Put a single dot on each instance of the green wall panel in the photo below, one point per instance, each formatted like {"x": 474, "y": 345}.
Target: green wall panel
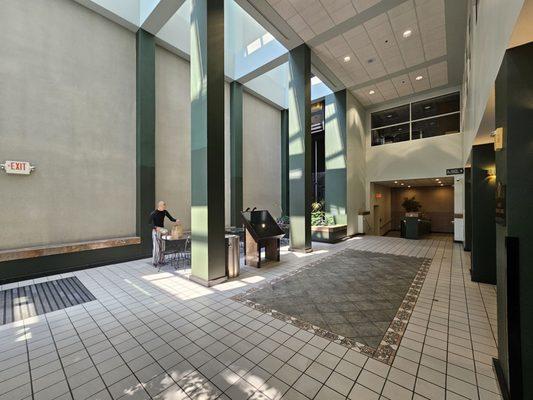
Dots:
{"x": 300, "y": 148}
{"x": 207, "y": 141}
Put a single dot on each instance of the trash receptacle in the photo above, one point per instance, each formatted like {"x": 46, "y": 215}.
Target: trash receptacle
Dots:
{"x": 233, "y": 259}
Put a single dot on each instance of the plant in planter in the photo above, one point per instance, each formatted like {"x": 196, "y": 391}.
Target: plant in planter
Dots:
{"x": 319, "y": 217}
{"x": 411, "y": 206}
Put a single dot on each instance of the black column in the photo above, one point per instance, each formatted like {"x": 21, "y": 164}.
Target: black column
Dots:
{"x": 514, "y": 232}
{"x": 483, "y": 206}
{"x": 468, "y": 210}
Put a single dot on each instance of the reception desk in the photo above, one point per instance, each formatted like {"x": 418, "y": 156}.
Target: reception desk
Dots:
{"x": 414, "y": 227}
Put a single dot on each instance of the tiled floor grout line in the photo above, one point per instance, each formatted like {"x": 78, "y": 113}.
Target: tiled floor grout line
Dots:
{"x": 154, "y": 305}
{"x": 429, "y": 317}
{"x": 471, "y": 339}
{"x": 88, "y": 353}
{"x": 29, "y": 364}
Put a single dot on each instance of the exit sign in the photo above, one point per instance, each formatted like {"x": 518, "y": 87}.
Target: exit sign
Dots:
{"x": 17, "y": 167}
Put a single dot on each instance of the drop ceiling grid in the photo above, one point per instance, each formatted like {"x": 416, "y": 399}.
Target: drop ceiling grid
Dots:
{"x": 379, "y": 39}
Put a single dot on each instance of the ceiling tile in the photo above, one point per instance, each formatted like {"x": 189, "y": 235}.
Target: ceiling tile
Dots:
{"x": 361, "y": 5}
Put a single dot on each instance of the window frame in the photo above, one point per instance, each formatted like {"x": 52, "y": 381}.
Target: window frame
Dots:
{"x": 411, "y": 121}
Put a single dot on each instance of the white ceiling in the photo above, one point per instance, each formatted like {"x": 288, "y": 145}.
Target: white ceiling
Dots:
{"x": 370, "y": 33}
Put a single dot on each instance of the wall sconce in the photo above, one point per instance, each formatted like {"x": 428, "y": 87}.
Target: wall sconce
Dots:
{"x": 491, "y": 173}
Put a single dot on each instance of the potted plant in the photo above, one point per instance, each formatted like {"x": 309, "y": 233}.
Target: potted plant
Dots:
{"x": 411, "y": 206}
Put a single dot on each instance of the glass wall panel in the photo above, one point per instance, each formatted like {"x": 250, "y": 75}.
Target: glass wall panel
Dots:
{"x": 432, "y": 117}
{"x": 391, "y": 134}
{"x": 438, "y": 126}
{"x": 436, "y": 106}
{"x": 391, "y": 116}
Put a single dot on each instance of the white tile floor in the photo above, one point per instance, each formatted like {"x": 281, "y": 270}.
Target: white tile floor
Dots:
{"x": 157, "y": 335}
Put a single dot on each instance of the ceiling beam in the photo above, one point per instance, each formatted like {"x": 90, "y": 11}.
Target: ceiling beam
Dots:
{"x": 263, "y": 69}
{"x": 322, "y": 71}
{"x": 456, "y": 38}
{"x": 405, "y": 71}
{"x": 160, "y": 15}
{"x": 269, "y": 19}
{"x": 354, "y": 21}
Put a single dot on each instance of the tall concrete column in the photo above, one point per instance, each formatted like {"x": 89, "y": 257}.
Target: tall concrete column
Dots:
{"x": 236, "y": 93}
{"x": 300, "y": 148}
{"x": 483, "y": 205}
{"x": 207, "y": 142}
{"x": 285, "y": 162}
{"x": 145, "y": 136}
{"x": 335, "y": 153}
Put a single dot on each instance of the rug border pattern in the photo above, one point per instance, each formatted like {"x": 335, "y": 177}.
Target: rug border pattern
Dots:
{"x": 386, "y": 350}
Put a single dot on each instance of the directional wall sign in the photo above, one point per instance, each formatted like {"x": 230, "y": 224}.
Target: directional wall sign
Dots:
{"x": 17, "y": 167}
{"x": 455, "y": 171}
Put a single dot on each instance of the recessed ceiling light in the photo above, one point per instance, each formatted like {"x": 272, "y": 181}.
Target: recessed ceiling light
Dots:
{"x": 408, "y": 186}
{"x": 419, "y": 78}
{"x": 401, "y": 184}
{"x": 437, "y": 179}
{"x": 371, "y": 92}
{"x": 395, "y": 181}
{"x": 347, "y": 59}
{"x": 427, "y": 107}
{"x": 442, "y": 184}
{"x": 389, "y": 116}
{"x": 407, "y": 33}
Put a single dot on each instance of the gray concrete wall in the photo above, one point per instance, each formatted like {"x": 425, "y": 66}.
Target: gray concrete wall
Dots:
{"x": 356, "y": 193}
{"x": 489, "y": 39}
{"x": 261, "y": 155}
{"x": 173, "y": 135}
{"x": 173, "y": 142}
{"x": 67, "y": 105}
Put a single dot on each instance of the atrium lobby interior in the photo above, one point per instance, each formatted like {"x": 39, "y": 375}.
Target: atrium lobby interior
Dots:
{"x": 266, "y": 199}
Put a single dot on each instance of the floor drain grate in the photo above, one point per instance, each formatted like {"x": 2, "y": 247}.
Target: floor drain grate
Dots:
{"x": 41, "y": 298}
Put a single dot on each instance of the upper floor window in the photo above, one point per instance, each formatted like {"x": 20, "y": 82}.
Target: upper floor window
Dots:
{"x": 422, "y": 119}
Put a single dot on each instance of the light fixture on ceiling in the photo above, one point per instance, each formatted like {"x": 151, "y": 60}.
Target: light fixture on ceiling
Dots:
{"x": 371, "y": 92}
{"x": 442, "y": 184}
{"x": 419, "y": 78}
{"x": 389, "y": 116}
{"x": 347, "y": 59}
{"x": 408, "y": 186}
{"x": 427, "y": 107}
{"x": 407, "y": 33}
{"x": 395, "y": 181}
{"x": 437, "y": 179}
{"x": 401, "y": 184}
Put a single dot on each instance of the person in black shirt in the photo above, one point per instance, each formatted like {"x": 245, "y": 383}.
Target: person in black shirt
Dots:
{"x": 157, "y": 220}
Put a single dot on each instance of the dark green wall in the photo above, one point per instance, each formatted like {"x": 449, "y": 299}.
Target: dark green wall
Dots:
{"x": 34, "y": 267}
{"x": 468, "y": 210}
{"x": 514, "y": 113}
{"x": 483, "y": 204}
{"x": 300, "y": 185}
{"x": 285, "y": 162}
{"x": 236, "y": 126}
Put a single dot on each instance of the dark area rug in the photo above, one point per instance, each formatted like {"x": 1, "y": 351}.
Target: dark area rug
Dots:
{"x": 355, "y": 294}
